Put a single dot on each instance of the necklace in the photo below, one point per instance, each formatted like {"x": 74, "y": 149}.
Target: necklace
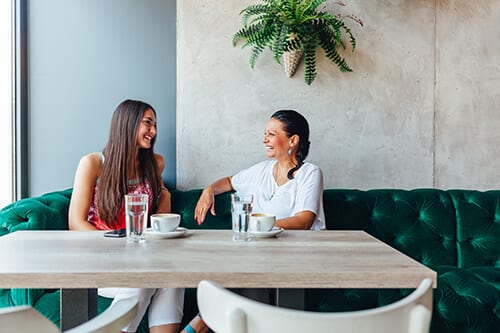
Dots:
{"x": 280, "y": 178}
{"x": 271, "y": 196}
{"x": 280, "y": 175}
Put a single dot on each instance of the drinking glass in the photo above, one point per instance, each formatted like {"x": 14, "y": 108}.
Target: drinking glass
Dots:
{"x": 241, "y": 208}
{"x": 136, "y": 213}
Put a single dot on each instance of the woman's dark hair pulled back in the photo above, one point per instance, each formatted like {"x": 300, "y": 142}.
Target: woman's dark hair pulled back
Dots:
{"x": 295, "y": 124}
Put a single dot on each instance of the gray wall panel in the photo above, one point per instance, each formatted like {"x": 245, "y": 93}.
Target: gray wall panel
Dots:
{"x": 85, "y": 57}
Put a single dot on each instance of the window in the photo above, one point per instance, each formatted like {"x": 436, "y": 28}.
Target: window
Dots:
{"x": 6, "y": 105}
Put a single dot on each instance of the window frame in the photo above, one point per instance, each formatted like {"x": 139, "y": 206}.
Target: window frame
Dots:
{"x": 20, "y": 96}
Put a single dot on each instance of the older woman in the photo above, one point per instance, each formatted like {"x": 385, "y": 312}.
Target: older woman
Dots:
{"x": 284, "y": 185}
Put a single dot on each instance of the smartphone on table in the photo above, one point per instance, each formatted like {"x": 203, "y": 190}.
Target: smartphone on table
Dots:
{"x": 116, "y": 233}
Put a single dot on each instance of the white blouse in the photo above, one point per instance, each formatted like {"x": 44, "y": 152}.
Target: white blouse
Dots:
{"x": 303, "y": 193}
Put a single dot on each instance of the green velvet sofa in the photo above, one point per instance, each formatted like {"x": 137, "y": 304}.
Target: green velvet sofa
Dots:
{"x": 454, "y": 232}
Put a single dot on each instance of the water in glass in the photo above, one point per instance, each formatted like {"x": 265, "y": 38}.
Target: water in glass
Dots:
{"x": 241, "y": 208}
{"x": 136, "y": 212}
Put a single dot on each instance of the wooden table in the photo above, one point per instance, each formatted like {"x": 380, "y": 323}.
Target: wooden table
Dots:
{"x": 295, "y": 259}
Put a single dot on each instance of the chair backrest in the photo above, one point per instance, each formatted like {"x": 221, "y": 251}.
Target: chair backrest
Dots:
{"x": 25, "y": 319}
{"x": 227, "y": 312}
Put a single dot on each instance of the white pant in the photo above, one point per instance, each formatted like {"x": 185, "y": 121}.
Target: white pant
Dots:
{"x": 165, "y": 304}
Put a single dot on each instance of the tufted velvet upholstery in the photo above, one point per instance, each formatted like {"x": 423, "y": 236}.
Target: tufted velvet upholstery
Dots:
{"x": 184, "y": 202}
{"x": 403, "y": 219}
{"x": 454, "y": 232}
{"x": 478, "y": 227}
{"x": 46, "y": 212}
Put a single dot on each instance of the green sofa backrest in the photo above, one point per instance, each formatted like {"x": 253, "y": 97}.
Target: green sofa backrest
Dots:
{"x": 420, "y": 223}
{"x": 435, "y": 227}
{"x": 46, "y": 212}
{"x": 478, "y": 227}
{"x": 184, "y": 202}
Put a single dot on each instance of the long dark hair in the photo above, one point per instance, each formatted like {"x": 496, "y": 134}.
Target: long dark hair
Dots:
{"x": 119, "y": 161}
{"x": 295, "y": 124}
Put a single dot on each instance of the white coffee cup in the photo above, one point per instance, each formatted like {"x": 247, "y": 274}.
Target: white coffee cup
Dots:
{"x": 261, "y": 222}
{"x": 165, "y": 222}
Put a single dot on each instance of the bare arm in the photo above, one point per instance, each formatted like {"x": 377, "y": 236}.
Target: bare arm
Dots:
{"x": 164, "y": 203}
{"x": 83, "y": 188}
{"x": 207, "y": 198}
{"x": 300, "y": 221}
{"x": 310, "y": 190}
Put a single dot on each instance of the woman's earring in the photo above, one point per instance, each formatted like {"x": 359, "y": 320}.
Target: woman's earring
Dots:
{"x": 290, "y": 151}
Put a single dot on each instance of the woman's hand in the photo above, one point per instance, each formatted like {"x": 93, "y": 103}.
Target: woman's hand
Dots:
{"x": 205, "y": 203}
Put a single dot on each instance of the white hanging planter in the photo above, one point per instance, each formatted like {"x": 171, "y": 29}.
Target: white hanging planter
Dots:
{"x": 291, "y": 61}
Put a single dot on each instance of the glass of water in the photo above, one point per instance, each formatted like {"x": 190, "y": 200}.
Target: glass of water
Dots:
{"x": 136, "y": 214}
{"x": 241, "y": 208}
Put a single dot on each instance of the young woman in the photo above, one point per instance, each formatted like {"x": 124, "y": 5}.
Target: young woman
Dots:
{"x": 284, "y": 185}
{"x": 127, "y": 164}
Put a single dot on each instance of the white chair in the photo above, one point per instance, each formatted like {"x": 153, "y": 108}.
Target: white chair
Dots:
{"x": 26, "y": 319}
{"x": 226, "y": 312}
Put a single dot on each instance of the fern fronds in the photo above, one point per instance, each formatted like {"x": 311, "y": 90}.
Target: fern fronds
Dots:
{"x": 339, "y": 26}
{"x": 253, "y": 10}
{"x": 263, "y": 36}
{"x": 256, "y": 51}
{"x": 291, "y": 25}
{"x": 247, "y": 31}
{"x": 315, "y": 4}
{"x": 352, "y": 40}
{"x": 310, "y": 60}
{"x": 355, "y": 19}
{"x": 329, "y": 45}
{"x": 278, "y": 47}
{"x": 259, "y": 19}
{"x": 293, "y": 44}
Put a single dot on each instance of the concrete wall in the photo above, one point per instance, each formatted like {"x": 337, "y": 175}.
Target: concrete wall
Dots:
{"x": 85, "y": 57}
{"x": 467, "y": 105}
{"x": 420, "y": 109}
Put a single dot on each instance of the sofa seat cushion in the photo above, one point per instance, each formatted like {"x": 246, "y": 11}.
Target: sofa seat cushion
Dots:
{"x": 467, "y": 300}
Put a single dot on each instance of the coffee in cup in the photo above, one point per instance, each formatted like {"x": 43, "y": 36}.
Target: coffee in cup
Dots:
{"x": 261, "y": 222}
{"x": 165, "y": 222}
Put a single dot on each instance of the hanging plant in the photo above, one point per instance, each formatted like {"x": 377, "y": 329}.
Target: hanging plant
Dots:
{"x": 293, "y": 29}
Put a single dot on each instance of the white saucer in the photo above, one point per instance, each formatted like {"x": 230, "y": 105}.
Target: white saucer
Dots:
{"x": 179, "y": 232}
{"x": 267, "y": 234}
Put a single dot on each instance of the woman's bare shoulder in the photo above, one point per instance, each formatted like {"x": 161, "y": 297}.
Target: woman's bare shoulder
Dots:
{"x": 92, "y": 159}
{"x": 90, "y": 164}
{"x": 159, "y": 160}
